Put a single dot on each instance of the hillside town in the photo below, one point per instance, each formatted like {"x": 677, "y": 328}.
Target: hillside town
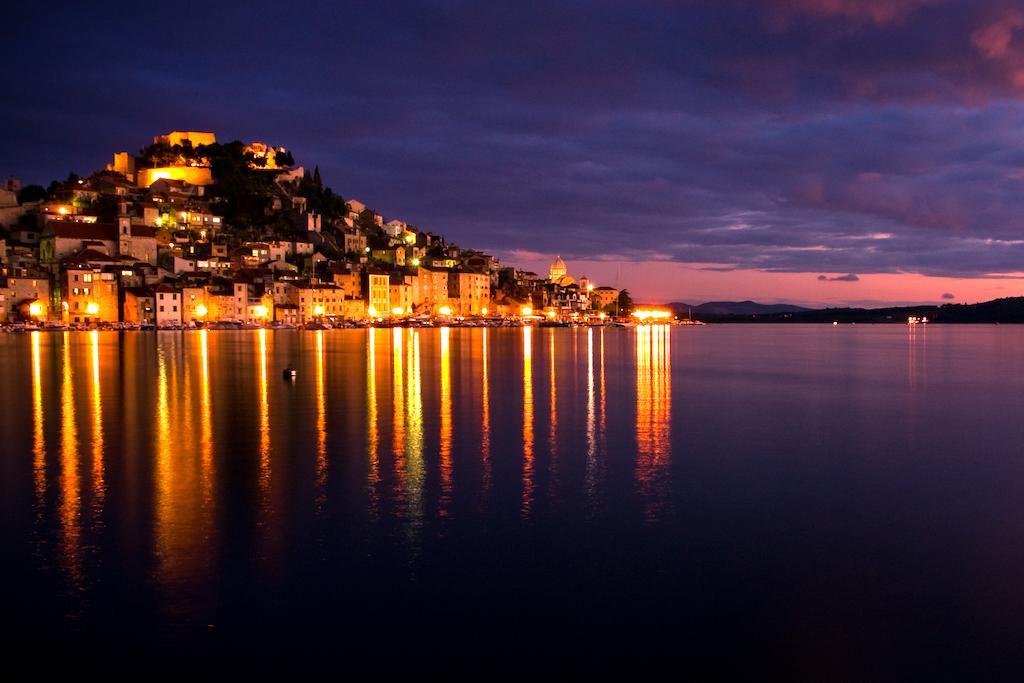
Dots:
{"x": 191, "y": 233}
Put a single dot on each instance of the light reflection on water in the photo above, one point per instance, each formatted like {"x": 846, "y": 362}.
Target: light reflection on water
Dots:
{"x": 182, "y": 471}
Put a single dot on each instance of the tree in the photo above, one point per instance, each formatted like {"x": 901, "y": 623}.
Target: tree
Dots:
{"x": 105, "y": 207}
{"x": 284, "y": 159}
{"x": 625, "y": 303}
{"x": 31, "y": 193}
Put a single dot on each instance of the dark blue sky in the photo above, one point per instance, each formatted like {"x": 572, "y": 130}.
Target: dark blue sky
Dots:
{"x": 804, "y": 136}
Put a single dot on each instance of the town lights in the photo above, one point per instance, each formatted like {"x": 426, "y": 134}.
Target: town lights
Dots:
{"x": 63, "y": 210}
{"x": 416, "y": 262}
{"x": 526, "y": 310}
{"x": 483, "y": 311}
{"x": 200, "y": 311}
{"x": 260, "y": 311}
{"x": 318, "y": 310}
{"x": 397, "y": 310}
{"x": 590, "y": 287}
{"x": 445, "y": 310}
{"x": 92, "y": 308}
{"x": 647, "y": 314}
{"x": 602, "y": 315}
{"x": 551, "y": 314}
{"x": 410, "y": 238}
{"x": 35, "y": 309}
{"x": 371, "y": 311}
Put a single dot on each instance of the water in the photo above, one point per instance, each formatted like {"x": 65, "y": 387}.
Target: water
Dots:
{"x": 825, "y": 498}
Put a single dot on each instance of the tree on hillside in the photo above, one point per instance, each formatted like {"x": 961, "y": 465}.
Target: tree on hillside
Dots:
{"x": 283, "y": 159}
{"x": 31, "y": 193}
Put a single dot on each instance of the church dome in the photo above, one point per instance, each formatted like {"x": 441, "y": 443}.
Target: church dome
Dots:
{"x": 558, "y": 269}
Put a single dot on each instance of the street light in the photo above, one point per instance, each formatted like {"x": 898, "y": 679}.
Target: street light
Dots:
{"x": 35, "y": 309}
{"x": 445, "y": 310}
{"x": 318, "y": 310}
{"x": 92, "y": 308}
{"x": 200, "y": 311}
{"x": 527, "y": 310}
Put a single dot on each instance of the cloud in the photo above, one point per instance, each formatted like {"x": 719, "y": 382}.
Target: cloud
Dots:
{"x": 845, "y": 136}
{"x": 877, "y": 11}
{"x": 947, "y": 295}
{"x": 994, "y": 40}
{"x": 849, "y": 277}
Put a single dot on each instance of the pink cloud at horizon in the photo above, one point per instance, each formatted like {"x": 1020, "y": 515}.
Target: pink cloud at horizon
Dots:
{"x": 665, "y": 281}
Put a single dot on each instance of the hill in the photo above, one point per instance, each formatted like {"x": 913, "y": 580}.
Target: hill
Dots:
{"x": 741, "y": 308}
{"x": 1006, "y": 310}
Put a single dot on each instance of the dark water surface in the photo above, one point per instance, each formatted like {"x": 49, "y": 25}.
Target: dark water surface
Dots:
{"x": 825, "y": 497}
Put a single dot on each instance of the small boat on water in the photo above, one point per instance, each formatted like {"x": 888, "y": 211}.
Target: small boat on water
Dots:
{"x": 289, "y": 373}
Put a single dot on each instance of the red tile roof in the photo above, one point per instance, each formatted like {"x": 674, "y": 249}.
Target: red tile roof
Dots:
{"x": 77, "y": 230}
{"x": 89, "y": 256}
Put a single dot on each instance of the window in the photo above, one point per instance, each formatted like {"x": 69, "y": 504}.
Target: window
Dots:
{"x": 161, "y": 309}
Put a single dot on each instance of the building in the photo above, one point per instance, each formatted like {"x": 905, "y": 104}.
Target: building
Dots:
{"x": 603, "y": 297}
{"x": 25, "y": 296}
{"x": 469, "y": 293}
{"x": 559, "y": 273}
{"x": 168, "y": 306}
{"x": 63, "y": 238}
{"x": 139, "y": 306}
{"x": 88, "y": 295}
{"x": 378, "y": 294}
{"x": 180, "y": 137}
{"x": 399, "y": 296}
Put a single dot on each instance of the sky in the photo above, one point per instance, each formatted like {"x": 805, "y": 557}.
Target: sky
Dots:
{"x": 819, "y": 152}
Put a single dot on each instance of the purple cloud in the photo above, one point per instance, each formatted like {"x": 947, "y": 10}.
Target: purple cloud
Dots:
{"x": 844, "y": 136}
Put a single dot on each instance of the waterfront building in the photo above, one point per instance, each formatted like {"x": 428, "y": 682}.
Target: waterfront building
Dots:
{"x": 88, "y": 294}
{"x": 139, "y": 306}
{"x": 168, "y": 306}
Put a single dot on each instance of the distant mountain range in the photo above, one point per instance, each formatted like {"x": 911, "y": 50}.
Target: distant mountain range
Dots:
{"x": 720, "y": 308}
{"x": 1007, "y": 310}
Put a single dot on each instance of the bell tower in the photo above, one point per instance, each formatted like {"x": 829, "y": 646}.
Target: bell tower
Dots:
{"x": 124, "y": 231}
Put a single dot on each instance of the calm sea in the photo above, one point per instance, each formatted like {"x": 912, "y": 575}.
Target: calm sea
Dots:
{"x": 825, "y": 498}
